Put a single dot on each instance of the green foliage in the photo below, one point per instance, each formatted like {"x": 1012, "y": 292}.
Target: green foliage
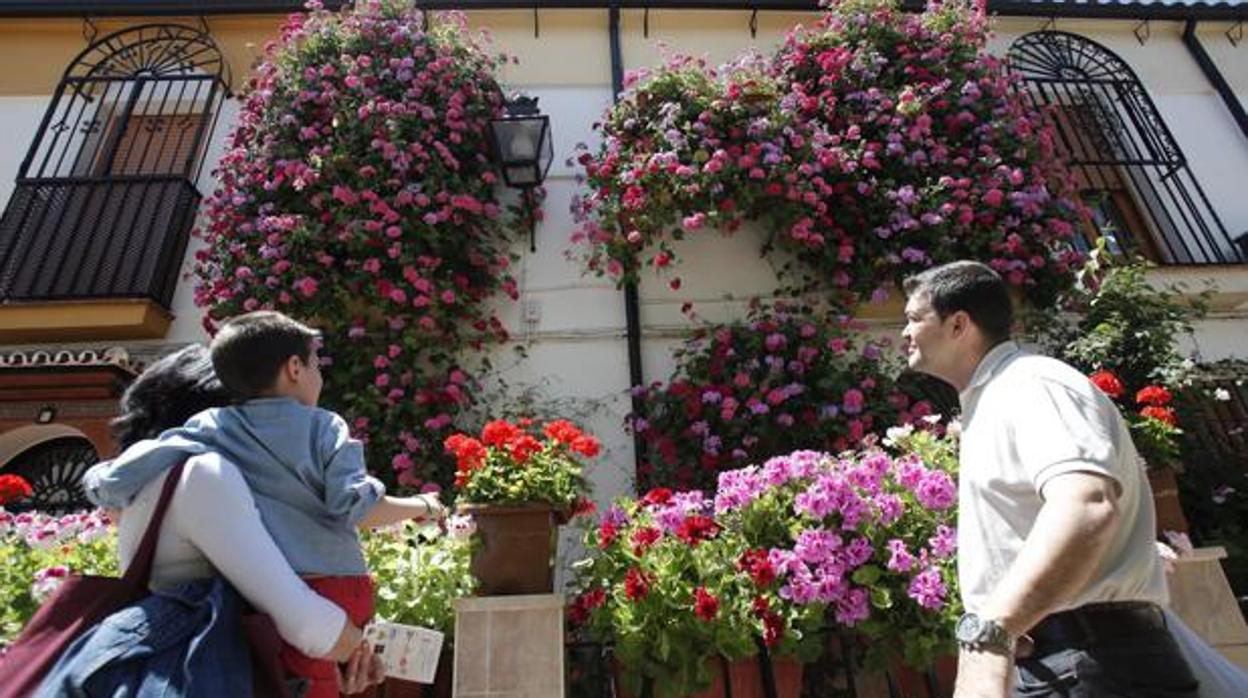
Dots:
{"x": 37, "y": 550}
{"x": 418, "y": 574}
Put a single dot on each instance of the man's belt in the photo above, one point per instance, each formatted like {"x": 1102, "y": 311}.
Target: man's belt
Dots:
{"x": 1087, "y": 625}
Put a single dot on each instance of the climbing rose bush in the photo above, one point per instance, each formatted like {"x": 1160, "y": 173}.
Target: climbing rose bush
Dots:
{"x": 873, "y": 145}
{"x": 357, "y": 194}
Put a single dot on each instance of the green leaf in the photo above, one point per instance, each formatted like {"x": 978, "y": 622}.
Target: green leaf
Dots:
{"x": 866, "y": 575}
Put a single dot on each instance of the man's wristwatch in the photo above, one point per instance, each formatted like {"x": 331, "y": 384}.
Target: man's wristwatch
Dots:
{"x": 983, "y": 635}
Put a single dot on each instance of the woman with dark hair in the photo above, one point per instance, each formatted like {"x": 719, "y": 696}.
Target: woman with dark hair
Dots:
{"x": 212, "y": 526}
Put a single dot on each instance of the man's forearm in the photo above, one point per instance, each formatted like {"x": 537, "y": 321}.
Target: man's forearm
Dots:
{"x": 1060, "y": 556}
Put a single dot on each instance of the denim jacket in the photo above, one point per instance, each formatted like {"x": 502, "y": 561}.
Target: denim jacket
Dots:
{"x": 305, "y": 471}
{"x": 183, "y": 642}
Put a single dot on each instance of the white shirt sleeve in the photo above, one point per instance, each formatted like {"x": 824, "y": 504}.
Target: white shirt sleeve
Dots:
{"x": 213, "y": 509}
{"x": 1063, "y": 429}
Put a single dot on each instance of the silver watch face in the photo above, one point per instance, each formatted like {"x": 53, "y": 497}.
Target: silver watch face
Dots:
{"x": 969, "y": 629}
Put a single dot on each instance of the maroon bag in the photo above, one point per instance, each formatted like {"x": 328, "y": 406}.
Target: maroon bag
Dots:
{"x": 78, "y": 604}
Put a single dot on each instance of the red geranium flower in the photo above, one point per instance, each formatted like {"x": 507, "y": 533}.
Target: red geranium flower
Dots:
{"x": 499, "y": 432}
{"x": 1154, "y": 395}
{"x": 587, "y": 446}
{"x": 773, "y": 624}
{"x": 581, "y": 607}
{"x": 644, "y": 538}
{"x": 773, "y": 629}
{"x": 607, "y": 533}
{"x": 563, "y": 431}
{"x": 636, "y": 584}
{"x": 705, "y": 605}
{"x": 584, "y": 506}
{"x": 523, "y": 448}
{"x": 758, "y": 566}
{"x": 469, "y": 453}
{"x": 657, "y": 497}
{"x": 697, "y": 528}
{"x": 1108, "y": 383}
{"x": 13, "y": 488}
{"x": 1161, "y": 414}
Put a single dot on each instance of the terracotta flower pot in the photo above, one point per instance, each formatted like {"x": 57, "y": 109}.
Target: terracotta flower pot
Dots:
{"x": 516, "y": 551}
{"x": 914, "y": 684}
{"x": 1165, "y": 486}
{"x": 746, "y": 679}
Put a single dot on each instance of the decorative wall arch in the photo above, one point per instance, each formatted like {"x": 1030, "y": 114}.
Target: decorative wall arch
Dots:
{"x": 53, "y": 459}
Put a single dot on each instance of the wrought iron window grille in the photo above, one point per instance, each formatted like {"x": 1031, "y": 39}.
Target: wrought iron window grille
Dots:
{"x": 1119, "y": 147}
{"x": 106, "y": 197}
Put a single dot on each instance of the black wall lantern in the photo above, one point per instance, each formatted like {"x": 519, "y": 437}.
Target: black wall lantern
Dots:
{"x": 523, "y": 150}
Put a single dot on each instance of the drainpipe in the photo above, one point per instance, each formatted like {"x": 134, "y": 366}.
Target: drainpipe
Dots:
{"x": 632, "y": 303}
{"x": 1214, "y": 76}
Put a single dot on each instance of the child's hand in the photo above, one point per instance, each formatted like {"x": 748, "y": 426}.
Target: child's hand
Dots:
{"x": 435, "y": 509}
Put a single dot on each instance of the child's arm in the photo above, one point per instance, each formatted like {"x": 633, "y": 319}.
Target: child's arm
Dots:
{"x": 392, "y": 510}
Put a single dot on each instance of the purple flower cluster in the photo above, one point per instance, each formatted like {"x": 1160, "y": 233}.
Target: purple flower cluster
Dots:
{"x": 856, "y": 522}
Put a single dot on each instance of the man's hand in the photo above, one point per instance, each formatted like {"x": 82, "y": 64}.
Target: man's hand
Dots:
{"x": 983, "y": 675}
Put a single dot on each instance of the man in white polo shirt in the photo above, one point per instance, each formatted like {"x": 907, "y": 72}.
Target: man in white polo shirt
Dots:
{"x": 1056, "y": 560}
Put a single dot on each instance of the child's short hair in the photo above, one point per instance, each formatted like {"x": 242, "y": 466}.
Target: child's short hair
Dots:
{"x": 250, "y": 350}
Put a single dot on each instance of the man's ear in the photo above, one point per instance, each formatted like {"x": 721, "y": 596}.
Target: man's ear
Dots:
{"x": 961, "y": 323}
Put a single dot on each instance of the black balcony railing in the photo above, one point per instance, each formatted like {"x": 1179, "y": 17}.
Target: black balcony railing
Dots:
{"x": 96, "y": 238}
{"x": 105, "y": 197}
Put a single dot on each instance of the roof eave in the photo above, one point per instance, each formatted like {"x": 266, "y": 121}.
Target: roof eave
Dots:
{"x": 1015, "y": 8}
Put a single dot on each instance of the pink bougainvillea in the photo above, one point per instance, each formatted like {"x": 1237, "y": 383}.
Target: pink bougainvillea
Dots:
{"x": 357, "y": 194}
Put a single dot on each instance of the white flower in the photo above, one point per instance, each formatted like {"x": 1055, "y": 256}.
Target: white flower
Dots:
{"x": 92, "y": 532}
{"x": 1222, "y": 395}
{"x": 43, "y": 537}
{"x": 896, "y": 434}
{"x": 46, "y": 582}
{"x": 954, "y": 428}
{"x": 460, "y": 527}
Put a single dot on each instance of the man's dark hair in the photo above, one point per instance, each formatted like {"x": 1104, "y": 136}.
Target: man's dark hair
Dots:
{"x": 167, "y": 394}
{"x": 971, "y": 287}
{"x": 250, "y": 350}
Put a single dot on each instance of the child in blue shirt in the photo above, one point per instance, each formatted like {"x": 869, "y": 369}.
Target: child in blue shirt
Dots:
{"x": 305, "y": 471}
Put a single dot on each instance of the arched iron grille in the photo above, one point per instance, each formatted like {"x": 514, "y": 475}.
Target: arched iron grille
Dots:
{"x": 105, "y": 197}
{"x": 1122, "y": 153}
{"x": 54, "y": 470}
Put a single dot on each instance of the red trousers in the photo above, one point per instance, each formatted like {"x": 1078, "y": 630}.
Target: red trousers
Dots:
{"x": 355, "y": 596}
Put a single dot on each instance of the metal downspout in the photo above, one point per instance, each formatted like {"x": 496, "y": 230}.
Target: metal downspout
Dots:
{"x": 1214, "y": 76}
{"x": 632, "y": 302}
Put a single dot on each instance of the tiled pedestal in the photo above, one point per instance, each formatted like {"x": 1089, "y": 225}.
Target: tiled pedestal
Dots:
{"x": 509, "y": 647}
